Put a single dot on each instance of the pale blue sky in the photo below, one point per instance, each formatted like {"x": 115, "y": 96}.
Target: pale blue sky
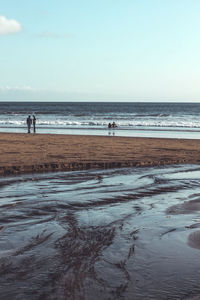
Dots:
{"x": 122, "y": 50}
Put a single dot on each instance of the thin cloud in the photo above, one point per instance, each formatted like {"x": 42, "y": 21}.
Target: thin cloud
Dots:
{"x": 50, "y": 35}
{"x": 54, "y": 35}
{"x": 9, "y": 26}
{"x": 16, "y": 88}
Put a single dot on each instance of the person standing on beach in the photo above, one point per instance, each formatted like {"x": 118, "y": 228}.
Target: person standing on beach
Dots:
{"x": 34, "y": 123}
{"x": 29, "y": 122}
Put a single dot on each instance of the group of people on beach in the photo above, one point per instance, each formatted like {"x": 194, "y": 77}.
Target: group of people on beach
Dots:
{"x": 29, "y": 122}
{"x": 113, "y": 125}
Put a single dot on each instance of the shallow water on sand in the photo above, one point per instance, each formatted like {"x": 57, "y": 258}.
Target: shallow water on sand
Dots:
{"x": 110, "y": 234}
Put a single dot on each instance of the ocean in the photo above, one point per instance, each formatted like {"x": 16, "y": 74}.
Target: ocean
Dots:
{"x": 178, "y": 120}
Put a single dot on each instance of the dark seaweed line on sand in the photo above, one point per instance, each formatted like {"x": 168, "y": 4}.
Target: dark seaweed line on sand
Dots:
{"x": 78, "y": 166}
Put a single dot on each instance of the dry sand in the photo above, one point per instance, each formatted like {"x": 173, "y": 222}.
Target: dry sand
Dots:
{"x": 26, "y": 153}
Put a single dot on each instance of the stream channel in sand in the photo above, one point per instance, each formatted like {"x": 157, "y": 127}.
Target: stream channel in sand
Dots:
{"x": 107, "y": 234}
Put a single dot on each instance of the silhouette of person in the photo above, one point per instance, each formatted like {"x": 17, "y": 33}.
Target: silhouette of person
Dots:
{"x": 34, "y": 123}
{"x": 114, "y": 125}
{"x": 29, "y": 122}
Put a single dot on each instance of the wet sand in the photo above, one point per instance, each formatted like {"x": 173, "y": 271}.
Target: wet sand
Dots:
{"x": 130, "y": 233}
{"x": 29, "y": 153}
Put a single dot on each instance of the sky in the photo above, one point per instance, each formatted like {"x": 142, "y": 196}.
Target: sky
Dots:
{"x": 108, "y": 50}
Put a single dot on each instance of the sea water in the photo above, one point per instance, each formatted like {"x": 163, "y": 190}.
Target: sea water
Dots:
{"x": 178, "y": 120}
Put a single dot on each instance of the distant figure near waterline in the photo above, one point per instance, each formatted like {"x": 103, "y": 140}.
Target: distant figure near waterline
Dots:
{"x": 100, "y": 178}
{"x": 113, "y": 125}
{"x": 34, "y": 123}
{"x": 29, "y": 122}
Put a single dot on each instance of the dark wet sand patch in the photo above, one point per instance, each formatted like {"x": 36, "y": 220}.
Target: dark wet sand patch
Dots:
{"x": 187, "y": 207}
{"x": 196, "y": 225}
{"x": 194, "y": 239}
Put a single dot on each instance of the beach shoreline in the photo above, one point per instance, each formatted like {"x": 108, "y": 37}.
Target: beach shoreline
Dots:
{"x": 38, "y": 153}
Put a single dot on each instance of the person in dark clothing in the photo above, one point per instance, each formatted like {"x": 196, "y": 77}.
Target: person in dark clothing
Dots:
{"x": 34, "y": 123}
{"x": 29, "y": 122}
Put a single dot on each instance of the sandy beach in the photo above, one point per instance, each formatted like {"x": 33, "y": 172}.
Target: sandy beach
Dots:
{"x": 29, "y": 153}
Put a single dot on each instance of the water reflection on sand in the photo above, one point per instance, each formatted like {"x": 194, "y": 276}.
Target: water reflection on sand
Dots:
{"x": 111, "y": 234}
